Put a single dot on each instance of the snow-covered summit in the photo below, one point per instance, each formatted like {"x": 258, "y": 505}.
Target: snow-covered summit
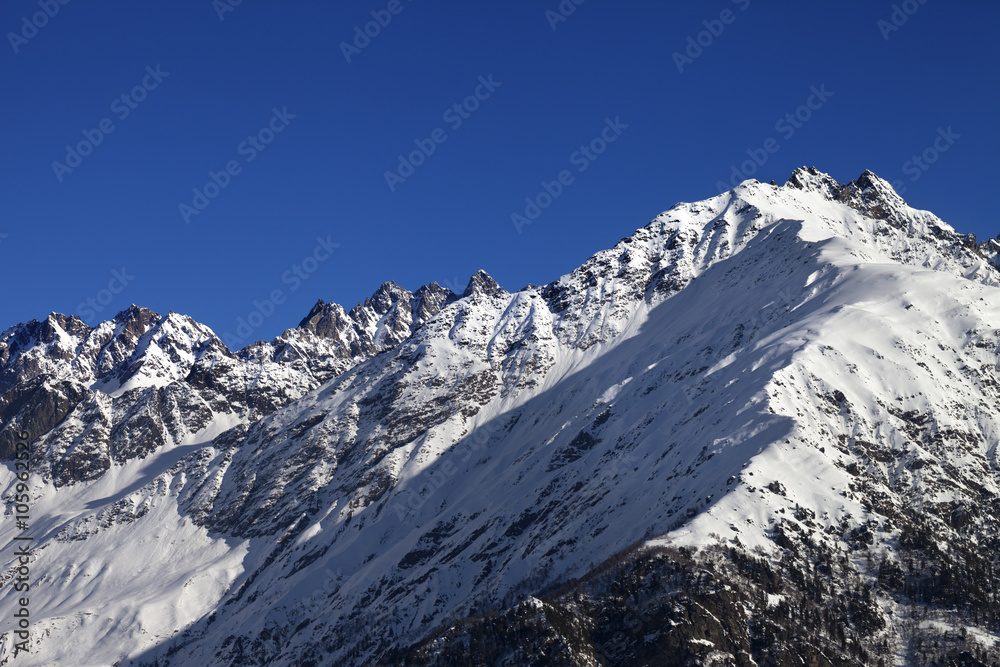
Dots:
{"x": 136, "y": 348}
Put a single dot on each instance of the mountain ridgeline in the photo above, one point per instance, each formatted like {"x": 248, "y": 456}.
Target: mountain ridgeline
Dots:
{"x": 761, "y": 430}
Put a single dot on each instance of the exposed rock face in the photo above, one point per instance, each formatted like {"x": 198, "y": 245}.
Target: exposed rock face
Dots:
{"x": 381, "y": 322}
{"x": 482, "y": 283}
{"x": 35, "y": 407}
{"x": 761, "y": 429}
{"x": 53, "y": 373}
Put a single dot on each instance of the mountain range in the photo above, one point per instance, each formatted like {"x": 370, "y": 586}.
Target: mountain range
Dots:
{"x": 761, "y": 430}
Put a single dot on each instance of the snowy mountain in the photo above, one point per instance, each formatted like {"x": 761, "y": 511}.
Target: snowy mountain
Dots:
{"x": 764, "y": 426}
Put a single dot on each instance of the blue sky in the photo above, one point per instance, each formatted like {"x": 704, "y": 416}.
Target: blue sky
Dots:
{"x": 292, "y": 133}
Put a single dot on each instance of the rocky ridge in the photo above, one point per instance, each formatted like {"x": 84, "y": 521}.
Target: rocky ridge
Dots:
{"x": 779, "y": 384}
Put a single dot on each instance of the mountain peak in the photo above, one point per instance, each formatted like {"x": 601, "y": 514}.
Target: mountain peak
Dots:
{"x": 381, "y": 321}
{"x": 869, "y": 180}
{"x": 309, "y": 320}
{"x": 386, "y": 296}
{"x": 71, "y": 324}
{"x": 134, "y": 311}
{"x": 428, "y": 300}
{"x": 877, "y": 195}
{"x": 811, "y": 179}
{"x": 135, "y": 321}
{"x": 482, "y": 283}
{"x": 868, "y": 194}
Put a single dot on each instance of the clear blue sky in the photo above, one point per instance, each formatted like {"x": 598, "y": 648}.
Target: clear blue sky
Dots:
{"x": 218, "y": 82}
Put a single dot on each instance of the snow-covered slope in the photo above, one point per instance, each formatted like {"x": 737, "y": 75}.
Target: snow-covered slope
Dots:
{"x": 782, "y": 371}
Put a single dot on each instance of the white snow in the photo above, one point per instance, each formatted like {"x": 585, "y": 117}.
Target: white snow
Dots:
{"x": 661, "y": 419}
